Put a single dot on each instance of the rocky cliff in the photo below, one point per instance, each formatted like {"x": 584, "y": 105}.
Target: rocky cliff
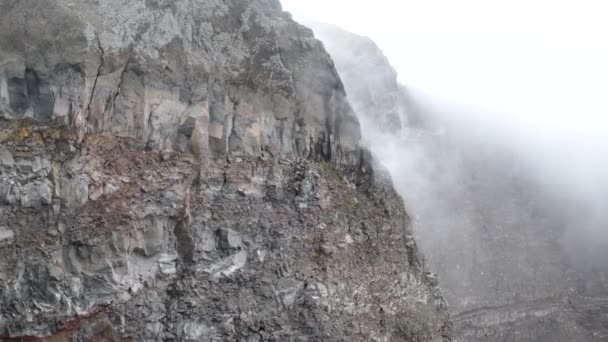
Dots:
{"x": 508, "y": 250}
{"x": 190, "y": 171}
{"x": 369, "y": 79}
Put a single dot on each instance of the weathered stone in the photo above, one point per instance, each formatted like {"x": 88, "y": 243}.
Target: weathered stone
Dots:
{"x": 167, "y": 264}
{"x": 432, "y": 278}
{"x": 155, "y": 238}
{"x": 207, "y": 240}
{"x": 228, "y": 239}
{"x": 110, "y": 188}
{"x": 175, "y": 195}
{"x": 75, "y": 191}
{"x": 6, "y": 158}
{"x": 37, "y": 193}
{"x": 288, "y": 290}
{"x": 36, "y": 165}
{"x": 6, "y": 236}
{"x": 10, "y": 190}
{"x": 96, "y": 193}
{"x": 194, "y": 331}
{"x": 229, "y": 265}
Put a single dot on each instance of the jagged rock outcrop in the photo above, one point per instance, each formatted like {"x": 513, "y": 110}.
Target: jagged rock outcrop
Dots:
{"x": 509, "y": 252}
{"x": 190, "y": 171}
{"x": 208, "y": 77}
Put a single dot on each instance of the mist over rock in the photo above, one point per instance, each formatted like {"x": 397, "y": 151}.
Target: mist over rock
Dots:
{"x": 191, "y": 171}
{"x": 513, "y": 255}
{"x": 358, "y": 58}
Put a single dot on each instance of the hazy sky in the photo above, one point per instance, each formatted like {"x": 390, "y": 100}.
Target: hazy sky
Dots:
{"x": 542, "y": 65}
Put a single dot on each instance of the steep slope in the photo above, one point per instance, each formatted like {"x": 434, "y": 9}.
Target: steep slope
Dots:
{"x": 503, "y": 244}
{"x": 190, "y": 171}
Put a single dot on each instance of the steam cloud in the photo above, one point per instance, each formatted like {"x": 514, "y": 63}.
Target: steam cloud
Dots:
{"x": 507, "y": 179}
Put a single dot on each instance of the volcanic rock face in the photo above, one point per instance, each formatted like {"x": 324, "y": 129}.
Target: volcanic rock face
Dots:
{"x": 498, "y": 238}
{"x": 190, "y": 171}
{"x": 208, "y": 77}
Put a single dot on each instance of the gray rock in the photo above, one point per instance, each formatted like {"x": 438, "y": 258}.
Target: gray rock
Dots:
{"x": 175, "y": 195}
{"x": 288, "y": 290}
{"x": 36, "y": 193}
{"x": 194, "y": 331}
{"x": 75, "y": 191}
{"x": 228, "y": 266}
{"x": 96, "y": 193}
{"x": 10, "y": 190}
{"x": 6, "y": 158}
{"x": 207, "y": 240}
{"x": 155, "y": 238}
{"x": 228, "y": 239}
{"x": 168, "y": 264}
{"x": 110, "y": 188}
{"x": 432, "y": 278}
{"x": 39, "y": 166}
{"x": 6, "y": 236}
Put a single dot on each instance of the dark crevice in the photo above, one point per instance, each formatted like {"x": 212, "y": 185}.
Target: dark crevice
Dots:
{"x": 101, "y": 62}
{"x": 119, "y": 86}
{"x": 185, "y": 243}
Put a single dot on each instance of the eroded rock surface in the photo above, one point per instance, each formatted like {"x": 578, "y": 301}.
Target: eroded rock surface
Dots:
{"x": 190, "y": 171}
{"x": 218, "y": 78}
